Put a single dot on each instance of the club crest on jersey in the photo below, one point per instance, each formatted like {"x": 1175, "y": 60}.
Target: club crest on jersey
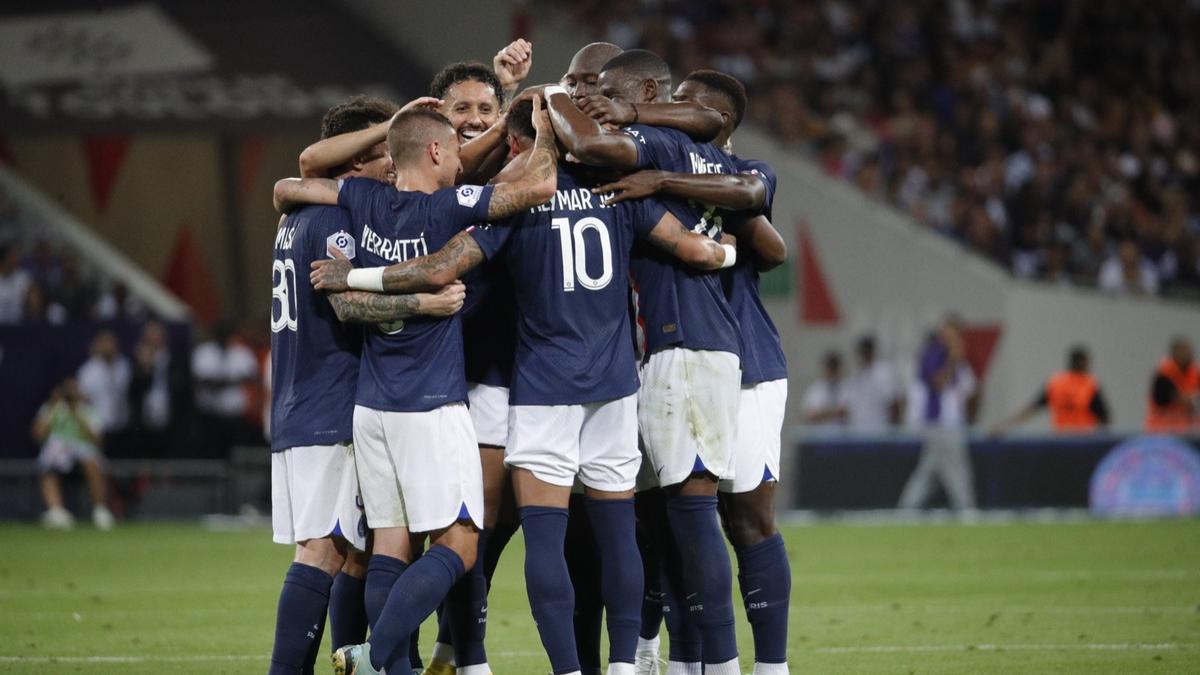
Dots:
{"x": 341, "y": 241}
{"x": 468, "y": 195}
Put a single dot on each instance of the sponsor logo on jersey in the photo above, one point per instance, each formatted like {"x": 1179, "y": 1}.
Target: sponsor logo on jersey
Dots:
{"x": 340, "y": 241}
{"x": 468, "y": 195}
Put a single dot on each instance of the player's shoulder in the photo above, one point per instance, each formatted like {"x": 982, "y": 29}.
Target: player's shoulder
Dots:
{"x": 749, "y": 165}
{"x": 645, "y": 133}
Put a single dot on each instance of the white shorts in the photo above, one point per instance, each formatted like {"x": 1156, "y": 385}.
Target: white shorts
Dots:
{"x": 489, "y": 413}
{"x": 314, "y": 494}
{"x": 597, "y": 441}
{"x": 759, "y": 427}
{"x": 418, "y": 470}
{"x": 61, "y": 455}
{"x": 687, "y": 412}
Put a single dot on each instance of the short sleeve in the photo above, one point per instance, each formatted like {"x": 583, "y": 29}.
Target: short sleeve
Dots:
{"x": 491, "y": 238}
{"x": 767, "y": 175}
{"x": 646, "y": 214}
{"x": 651, "y": 147}
{"x": 453, "y": 209}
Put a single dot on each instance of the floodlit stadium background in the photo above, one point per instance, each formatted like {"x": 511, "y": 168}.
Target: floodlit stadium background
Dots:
{"x": 988, "y": 159}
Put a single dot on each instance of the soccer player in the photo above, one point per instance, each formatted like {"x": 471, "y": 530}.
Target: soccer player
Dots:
{"x": 692, "y": 341}
{"x": 748, "y": 500}
{"x": 416, "y": 452}
{"x": 575, "y": 380}
{"x": 314, "y": 365}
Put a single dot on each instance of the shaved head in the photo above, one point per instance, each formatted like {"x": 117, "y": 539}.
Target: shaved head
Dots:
{"x": 411, "y": 135}
{"x": 584, "y": 71}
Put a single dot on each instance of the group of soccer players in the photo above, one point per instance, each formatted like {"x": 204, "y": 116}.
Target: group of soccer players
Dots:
{"x": 505, "y": 294}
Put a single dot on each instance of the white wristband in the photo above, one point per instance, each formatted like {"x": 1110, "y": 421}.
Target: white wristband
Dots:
{"x": 730, "y": 256}
{"x": 554, "y": 89}
{"x": 367, "y": 279}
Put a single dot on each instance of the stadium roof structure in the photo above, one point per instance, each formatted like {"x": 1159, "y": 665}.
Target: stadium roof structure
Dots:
{"x": 189, "y": 66}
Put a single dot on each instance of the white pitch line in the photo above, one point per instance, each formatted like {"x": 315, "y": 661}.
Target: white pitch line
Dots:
{"x": 1102, "y": 647}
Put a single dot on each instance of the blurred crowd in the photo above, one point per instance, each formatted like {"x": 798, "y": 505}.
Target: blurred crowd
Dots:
{"x": 1058, "y": 139}
{"x": 45, "y": 283}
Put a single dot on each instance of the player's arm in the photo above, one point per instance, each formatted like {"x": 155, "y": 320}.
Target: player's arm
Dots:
{"x": 512, "y": 64}
{"x": 367, "y": 307}
{"x": 291, "y": 193}
{"x": 584, "y": 138}
{"x": 735, "y": 192}
{"x": 700, "y": 122}
{"x": 317, "y": 159}
{"x": 537, "y": 183}
{"x": 694, "y": 249}
{"x": 430, "y": 272}
{"x": 483, "y": 156}
{"x": 761, "y": 238}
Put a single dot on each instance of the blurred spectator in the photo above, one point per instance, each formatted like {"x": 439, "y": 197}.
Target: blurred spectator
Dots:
{"x": 1127, "y": 271}
{"x": 1073, "y": 397}
{"x": 990, "y": 122}
{"x": 70, "y": 432}
{"x": 824, "y": 403}
{"x": 1175, "y": 392}
{"x": 154, "y": 391}
{"x": 15, "y": 284}
{"x": 222, "y": 368}
{"x": 874, "y": 398}
{"x": 937, "y": 407}
{"x": 104, "y": 382}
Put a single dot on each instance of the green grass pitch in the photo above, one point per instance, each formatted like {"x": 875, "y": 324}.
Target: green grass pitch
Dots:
{"x": 1086, "y": 597}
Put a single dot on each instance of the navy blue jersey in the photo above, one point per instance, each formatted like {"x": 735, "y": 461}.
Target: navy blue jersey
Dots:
{"x": 314, "y": 357}
{"x": 489, "y": 325}
{"x": 762, "y": 351}
{"x": 416, "y": 364}
{"x": 569, "y": 262}
{"x": 679, "y": 306}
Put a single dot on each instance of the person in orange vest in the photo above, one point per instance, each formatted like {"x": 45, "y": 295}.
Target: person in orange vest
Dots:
{"x": 1174, "y": 405}
{"x": 1073, "y": 397}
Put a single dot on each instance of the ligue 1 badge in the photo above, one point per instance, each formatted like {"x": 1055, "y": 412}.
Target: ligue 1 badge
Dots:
{"x": 340, "y": 241}
{"x": 468, "y": 195}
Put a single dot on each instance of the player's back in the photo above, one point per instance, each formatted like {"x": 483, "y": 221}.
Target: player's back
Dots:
{"x": 680, "y": 305}
{"x": 762, "y": 351}
{"x": 569, "y": 261}
{"x": 416, "y": 364}
{"x": 314, "y": 356}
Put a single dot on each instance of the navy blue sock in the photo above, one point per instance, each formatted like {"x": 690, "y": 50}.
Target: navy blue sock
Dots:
{"x": 683, "y": 634}
{"x": 414, "y": 650}
{"x": 548, "y": 584}
{"x": 707, "y": 574}
{"x": 621, "y": 581}
{"x": 652, "y": 534}
{"x": 583, "y": 563}
{"x": 466, "y": 612}
{"x": 299, "y": 619}
{"x": 765, "y": 578}
{"x": 382, "y": 573}
{"x": 413, "y": 598}
{"x": 347, "y": 611}
{"x": 500, "y": 535}
{"x": 314, "y": 651}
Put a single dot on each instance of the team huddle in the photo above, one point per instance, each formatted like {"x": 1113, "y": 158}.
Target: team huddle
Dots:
{"x": 533, "y": 311}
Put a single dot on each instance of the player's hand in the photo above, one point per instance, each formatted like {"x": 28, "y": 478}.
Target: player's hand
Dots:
{"x": 424, "y": 103}
{"x": 607, "y": 111}
{"x": 330, "y": 275}
{"x": 634, "y": 186}
{"x": 512, "y": 63}
{"x": 445, "y": 302}
{"x": 727, "y": 239}
{"x": 541, "y": 118}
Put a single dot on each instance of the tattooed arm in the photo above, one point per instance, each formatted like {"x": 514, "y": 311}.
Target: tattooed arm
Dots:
{"x": 536, "y": 185}
{"x": 694, "y": 249}
{"x": 366, "y": 307}
{"x": 291, "y": 193}
{"x": 460, "y": 255}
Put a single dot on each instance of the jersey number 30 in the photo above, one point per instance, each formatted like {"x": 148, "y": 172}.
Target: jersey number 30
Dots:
{"x": 283, "y": 295}
{"x": 574, "y": 253}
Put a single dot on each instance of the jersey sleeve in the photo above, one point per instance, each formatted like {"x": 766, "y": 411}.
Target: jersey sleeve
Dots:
{"x": 360, "y": 197}
{"x": 646, "y": 214}
{"x": 491, "y": 238}
{"x": 767, "y": 174}
{"x": 453, "y": 209}
{"x": 653, "y": 147}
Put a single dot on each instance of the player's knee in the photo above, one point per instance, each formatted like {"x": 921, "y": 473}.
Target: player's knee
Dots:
{"x": 356, "y": 563}
{"x": 748, "y": 519}
{"x": 327, "y": 554}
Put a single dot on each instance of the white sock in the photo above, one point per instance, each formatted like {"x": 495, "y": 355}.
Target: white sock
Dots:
{"x": 685, "y": 668}
{"x": 650, "y": 646}
{"x": 730, "y": 667}
{"x": 770, "y": 668}
{"x": 479, "y": 669}
{"x": 443, "y": 652}
{"x": 620, "y": 668}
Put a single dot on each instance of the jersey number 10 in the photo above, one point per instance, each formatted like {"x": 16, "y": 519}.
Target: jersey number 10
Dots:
{"x": 574, "y": 253}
